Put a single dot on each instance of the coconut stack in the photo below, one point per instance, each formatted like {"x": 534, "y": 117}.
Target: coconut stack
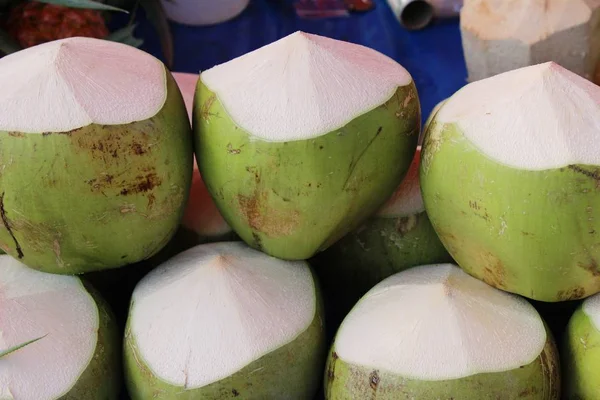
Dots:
{"x": 293, "y": 241}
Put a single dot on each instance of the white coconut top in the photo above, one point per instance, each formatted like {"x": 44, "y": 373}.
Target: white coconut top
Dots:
{"x": 591, "y": 307}
{"x": 407, "y": 199}
{"x": 303, "y": 86}
{"x": 436, "y": 322}
{"x": 535, "y": 118}
{"x": 201, "y": 213}
{"x": 67, "y": 84}
{"x": 36, "y": 304}
{"x": 187, "y": 85}
{"x": 526, "y": 20}
{"x": 212, "y": 310}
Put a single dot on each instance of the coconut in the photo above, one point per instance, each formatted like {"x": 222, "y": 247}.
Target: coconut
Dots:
{"x": 58, "y": 339}
{"x": 97, "y": 155}
{"x": 581, "y": 352}
{"x": 303, "y": 139}
{"x": 509, "y": 176}
{"x": 397, "y": 237}
{"x": 434, "y": 332}
{"x": 224, "y": 320}
{"x": 499, "y": 36}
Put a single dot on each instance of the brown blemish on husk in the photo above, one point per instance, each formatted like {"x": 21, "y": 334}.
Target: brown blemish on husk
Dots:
{"x": 374, "y": 380}
{"x": 142, "y": 184}
{"x": 548, "y": 360}
{"x": 592, "y": 174}
{"x": 262, "y": 218}
{"x": 494, "y": 273}
{"x": 16, "y": 134}
{"x": 331, "y": 367}
{"x": 8, "y": 226}
{"x": 109, "y": 144}
{"x": 591, "y": 267}
{"x": 574, "y": 293}
{"x": 206, "y": 106}
{"x": 231, "y": 150}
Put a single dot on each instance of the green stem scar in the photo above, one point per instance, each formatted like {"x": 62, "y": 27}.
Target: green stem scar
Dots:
{"x": 19, "y": 347}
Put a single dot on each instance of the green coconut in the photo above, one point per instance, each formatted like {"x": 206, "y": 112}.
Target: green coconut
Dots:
{"x": 429, "y": 119}
{"x": 581, "y": 352}
{"x": 509, "y": 175}
{"x": 397, "y": 237}
{"x": 434, "y": 332}
{"x": 300, "y": 141}
{"x": 221, "y": 321}
{"x": 96, "y": 151}
{"x": 58, "y": 338}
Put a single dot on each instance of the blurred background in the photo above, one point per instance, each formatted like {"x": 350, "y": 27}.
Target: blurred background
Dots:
{"x": 193, "y": 35}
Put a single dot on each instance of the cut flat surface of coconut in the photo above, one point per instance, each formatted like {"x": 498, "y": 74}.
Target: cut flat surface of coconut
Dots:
{"x": 407, "y": 199}
{"x": 591, "y": 308}
{"x": 57, "y": 309}
{"x": 303, "y": 86}
{"x": 435, "y": 322}
{"x": 71, "y": 83}
{"x": 538, "y": 117}
{"x": 527, "y": 20}
{"x": 221, "y": 306}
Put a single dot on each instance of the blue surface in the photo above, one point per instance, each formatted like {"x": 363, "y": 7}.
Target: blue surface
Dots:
{"x": 433, "y": 55}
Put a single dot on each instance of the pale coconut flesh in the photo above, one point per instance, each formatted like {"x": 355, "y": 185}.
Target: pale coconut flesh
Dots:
{"x": 75, "y": 354}
{"x": 581, "y": 351}
{"x": 398, "y": 236}
{"x": 305, "y": 125}
{"x": 433, "y": 332}
{"x": 223, "y": 318}
{"x": 509, "y": 177}
{"x": 97, "y": 155}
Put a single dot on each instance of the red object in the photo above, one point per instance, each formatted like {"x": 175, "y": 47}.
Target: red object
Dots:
{"x": 360, "y": 5}
{"x": 321, "y": 8}
{"x": 33, "y": 23}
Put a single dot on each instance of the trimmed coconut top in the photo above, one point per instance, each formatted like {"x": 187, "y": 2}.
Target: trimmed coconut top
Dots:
{"x": 201, "y": 213}
{"x": 67, "y": 84}
{"x": 591, "y": 307}
{"x": 304, "y": 86}
{"x": 536, "y": 118}
{"x": 407, "y": 199}
{"x": 59, "y": 309}
{"x": 212, "y": 310}
{"x": 187, "y": 85}
{"x": 435, "y": 322}
{"x": 528, "y": 21}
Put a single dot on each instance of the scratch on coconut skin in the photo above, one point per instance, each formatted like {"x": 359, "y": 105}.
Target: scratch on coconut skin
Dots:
{"x": 56, "y": 248}
{"x": 7, "y": 226}
{"x": 256, "y": 370}
{"x": 206, "y": 106}
{"x": 354, "y": 162}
